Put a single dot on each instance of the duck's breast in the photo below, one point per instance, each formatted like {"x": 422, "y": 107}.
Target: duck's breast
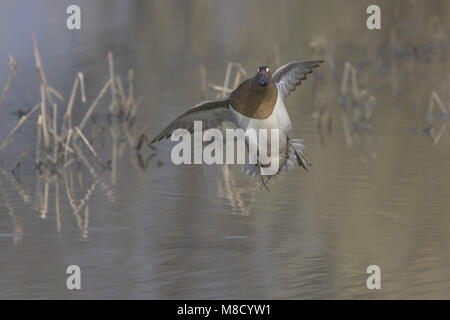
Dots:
{"x": 282, "y": 117}
{"x": 279, "y": 119}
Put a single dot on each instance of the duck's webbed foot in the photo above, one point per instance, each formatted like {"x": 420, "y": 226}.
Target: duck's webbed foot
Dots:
{"x": 301, "y": 159}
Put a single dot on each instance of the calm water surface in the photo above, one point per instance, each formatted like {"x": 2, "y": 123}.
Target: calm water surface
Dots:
{"x": 379, "y": 196}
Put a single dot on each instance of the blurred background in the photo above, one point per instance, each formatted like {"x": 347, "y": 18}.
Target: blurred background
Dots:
{"x": 374, "y": 119}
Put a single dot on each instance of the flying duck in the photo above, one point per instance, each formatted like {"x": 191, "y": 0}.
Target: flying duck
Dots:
{"x": 257, "y": 103}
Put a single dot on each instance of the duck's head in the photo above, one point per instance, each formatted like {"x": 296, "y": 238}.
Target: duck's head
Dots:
{"x": 263, "y": 77}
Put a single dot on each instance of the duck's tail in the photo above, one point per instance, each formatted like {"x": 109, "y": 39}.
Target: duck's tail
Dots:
{"x": 292, "y": 156}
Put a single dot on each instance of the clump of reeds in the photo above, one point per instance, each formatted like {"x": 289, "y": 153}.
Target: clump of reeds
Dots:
{"x": 60, "y": 141}
{"x": 228, "y": 85}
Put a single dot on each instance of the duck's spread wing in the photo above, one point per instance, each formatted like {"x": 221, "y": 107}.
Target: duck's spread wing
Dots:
{"x": 289, "y": 76}
{"x": 212, "y": 113}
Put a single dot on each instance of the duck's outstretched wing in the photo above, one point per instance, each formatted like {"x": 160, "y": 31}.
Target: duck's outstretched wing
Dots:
{"x": 289, "y": 76}
{"x": 212, "y": 113}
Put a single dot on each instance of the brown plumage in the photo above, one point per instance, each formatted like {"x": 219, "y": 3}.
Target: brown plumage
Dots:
{"x": 254, "y": 101}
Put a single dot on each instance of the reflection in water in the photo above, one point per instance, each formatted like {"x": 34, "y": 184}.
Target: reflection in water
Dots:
{"x": 327, "y": 78}
{"x": 102, "y": 198}
{"x": 359, "y": 107}
{"x": 436, "y": 121}
{"x": 226, "y": 185}
{"x": 17, "y": 221}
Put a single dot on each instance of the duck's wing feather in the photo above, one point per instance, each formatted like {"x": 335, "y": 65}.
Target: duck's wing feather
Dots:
{"x": 289, "y": 76}
{"x": 212, "y": 113}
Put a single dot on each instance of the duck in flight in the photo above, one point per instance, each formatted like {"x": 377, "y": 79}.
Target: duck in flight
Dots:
{"x": 257, "y": 103}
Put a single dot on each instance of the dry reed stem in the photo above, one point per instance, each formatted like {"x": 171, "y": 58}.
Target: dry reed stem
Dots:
{"x": 67, "y": 120}
{"x": 93, "y": 105}
{"x": 237, "y": 79}
{"x": 121, "y": 91}
{"x": 18, "y": 126}
{"x": 12, "y": 71}
{"x": 113, "y": 106}
{"x": 82, "y": 86}
{"x": 130, "y": 86}
{"x": 69, "y": 136}
{"x": 441, "y": 131}
{"x": 44, "y": 119}
{"x": 435, "y": 97}
{"x": 44, "y": 208}
{"x": 61, "y": 141}
{"x": 220, "y": 89}
{"x": 19, "y": 160}
{"x": 38, "y": 139}
{"x": 85, "y": 140}
{"x": 55, "y": 93}
{"x": 55, "y": 134}
{"x": 39, "y": 67}
{"x": 134, "y": 108}
{"x": 227, "y": 76}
